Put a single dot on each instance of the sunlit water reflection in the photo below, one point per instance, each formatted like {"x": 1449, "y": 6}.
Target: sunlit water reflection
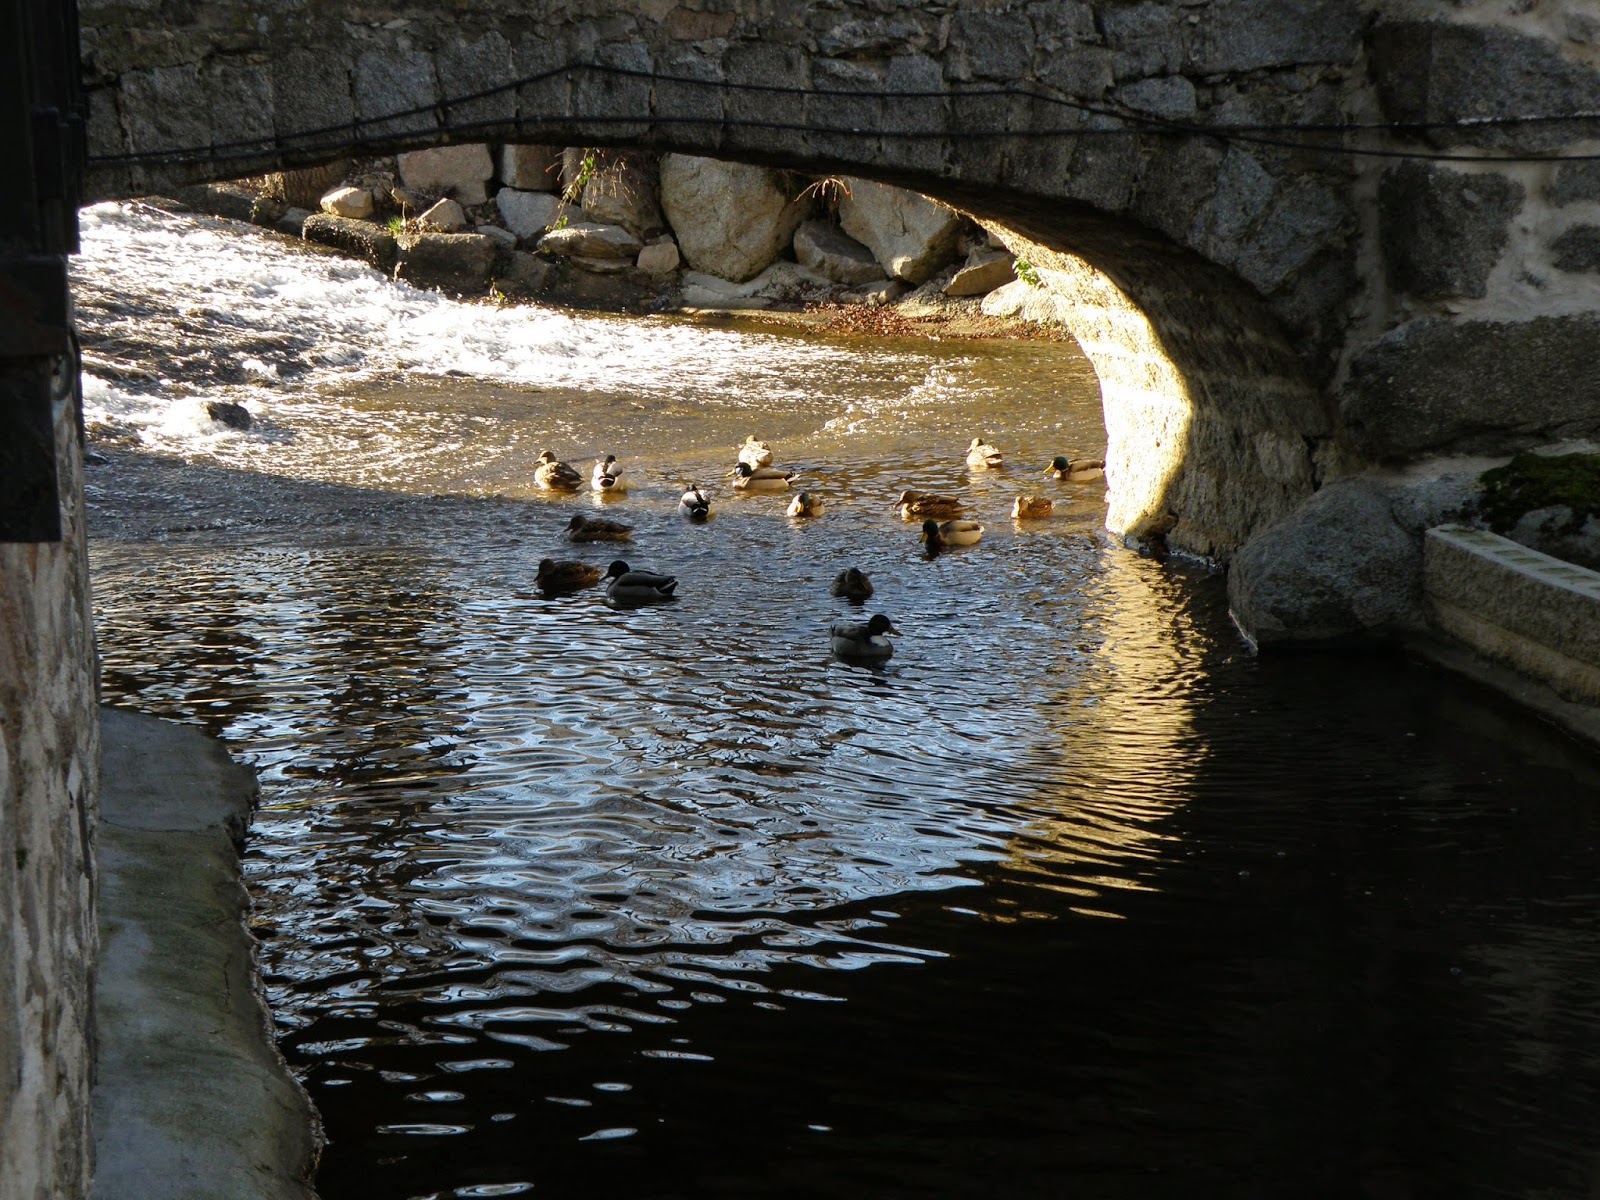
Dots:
{"x": 1071, "y": 898}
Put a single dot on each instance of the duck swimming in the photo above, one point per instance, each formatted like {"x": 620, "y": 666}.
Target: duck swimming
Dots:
{"x": 950, "y": 533}
{"x": 556, "y": 577}
{"x": 591, "y": 529}
{"x": 1032, "y": 506}
{"x": 556, "y": 476}
{"x": 1062, "y": 467}
{"x": 806, "y": 504}
{"x": 755, "y": 452}
{"x": 760, "y": 479}
{"x": 914, "y": 505}
{"x": 863, "y": 639}
{"x": 607, "y": 476}
{"x": 851, "y": 583}
{"x": 981, "y": 456}
{"x": 628, "y": 586}
{"x": 694, "y": 504}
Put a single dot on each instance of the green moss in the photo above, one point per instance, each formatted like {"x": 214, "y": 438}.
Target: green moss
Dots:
{"x": 1534, "y": 481}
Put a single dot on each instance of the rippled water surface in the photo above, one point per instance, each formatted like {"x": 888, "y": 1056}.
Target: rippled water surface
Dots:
{"x": 1072, "y": 898}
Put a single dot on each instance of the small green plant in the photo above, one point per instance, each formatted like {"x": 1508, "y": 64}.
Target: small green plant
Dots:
{"x": 572, "y": 193}
{"x": 396, "y": 224}
{"x": 1530, "y": 482}
{"x": 1027, "y": 272}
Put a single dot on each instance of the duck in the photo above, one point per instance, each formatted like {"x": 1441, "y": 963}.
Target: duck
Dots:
{"x": 760, "y": 479}
{"x": 592, "y": 529}
{"x": 628, "y": 586}
{"x": 806, "y": 504}
{"x": 755, "y": 452}
{"x": 565, "y": 575}
{"x": 914, "y": 505}
{"x": 554, "y": 475}
{"x": 694, "y": 503}
{"x": 607, "y": 476}
{"x": 851, "y": 583}
{"x": 950, "y": 533}
{"x": 981, "y": 456}
{"x": 1032, "y": 506}
{"x": 1062, "y": 467}
{"x": 863, "y": 639}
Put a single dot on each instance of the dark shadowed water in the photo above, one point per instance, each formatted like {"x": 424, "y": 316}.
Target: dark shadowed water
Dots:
{"x": 1072, "y": 898}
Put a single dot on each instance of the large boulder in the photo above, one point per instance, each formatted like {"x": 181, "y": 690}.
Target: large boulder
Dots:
{"x": 359, "y": 239}
{"x": 731, "y": 220}
{"x": 1348, "y": 562}
{"x": 910, "y": 235}
{"x": 587, "y": 239}
{"x": 1338, "y": 567}
{"x": 527, "y": 214}
{"x": 452, "y": 262}
{"x": 821, "y": 246}
{"x": 461, "y": 172}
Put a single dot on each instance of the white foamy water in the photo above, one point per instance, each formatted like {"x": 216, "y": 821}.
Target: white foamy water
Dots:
{"x": 361, "y": 324}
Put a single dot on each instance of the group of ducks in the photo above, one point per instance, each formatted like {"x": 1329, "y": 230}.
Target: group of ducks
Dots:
{"x": 942, "y": 526}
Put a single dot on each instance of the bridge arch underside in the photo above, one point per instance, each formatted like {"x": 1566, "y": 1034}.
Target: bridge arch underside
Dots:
{"x": 1212, "y": 412}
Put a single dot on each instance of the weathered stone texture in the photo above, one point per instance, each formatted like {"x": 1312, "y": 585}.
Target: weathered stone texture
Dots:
{"x": 1578, "y": 249}
{"x": 1444, "y": 230}
{"x": 1341, "y": 566}
{"x": 1575, "y": 183}
{"x": 361, "y": 239}
{"x": 732, "y": 220}
{"x": 910, "y": 235}
{"x": 459, "y": 171}
{"x": 527, "y": 214}
{"x": 49, "y": 777}
{"x": 455, "y": 262}
{"x": 1248, "y": 35}
{"x": 1434, "y": 386}
{"x": 1436, "y": 72}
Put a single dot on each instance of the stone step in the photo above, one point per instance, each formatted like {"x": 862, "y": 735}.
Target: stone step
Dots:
{"x": 1535, "y": 613}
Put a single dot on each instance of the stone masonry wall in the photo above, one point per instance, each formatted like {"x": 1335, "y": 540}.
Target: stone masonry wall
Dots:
{"x": 49, "y": 777}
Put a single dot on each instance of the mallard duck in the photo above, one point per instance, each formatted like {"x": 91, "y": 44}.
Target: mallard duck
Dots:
{"x": 554, "y": 475}
{"x": 695, "y": 504}
{"x": 806, "y": 504}
{"x": 760, "y": 479}
{"x": 1062, "y": 467}
{"x": 851, "y": 583}
{"x": 755, "y": 452}
{"x": 592, "y": 529}
{"x": 1032, "y": 506}
{"x": 981, "y": 456}
{"x": 863, "y": 639}
{"x": 628, "y": 586}
{"x": 565, "y": 575}
{"x": 913, "y": 506}
{"x": 950, "y": 533}
{"x": 607, "y": 476}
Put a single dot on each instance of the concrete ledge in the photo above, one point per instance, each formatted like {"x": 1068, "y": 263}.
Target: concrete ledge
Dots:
{"x": 1535, "y": 613}
{"x": 191, "y": 1100}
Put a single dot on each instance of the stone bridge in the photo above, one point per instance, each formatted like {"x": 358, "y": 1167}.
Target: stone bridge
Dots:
{"x": 1298, "y": 239}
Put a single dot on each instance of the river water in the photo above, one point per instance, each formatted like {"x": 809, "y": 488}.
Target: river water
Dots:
{"x": 1072, "y": 898}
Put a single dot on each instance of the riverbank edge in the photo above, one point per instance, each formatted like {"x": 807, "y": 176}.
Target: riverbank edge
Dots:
{"x": 191, "y": 1097}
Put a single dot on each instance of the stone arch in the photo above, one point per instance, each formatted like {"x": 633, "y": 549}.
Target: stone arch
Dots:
{"x": 1207, "y": 281}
